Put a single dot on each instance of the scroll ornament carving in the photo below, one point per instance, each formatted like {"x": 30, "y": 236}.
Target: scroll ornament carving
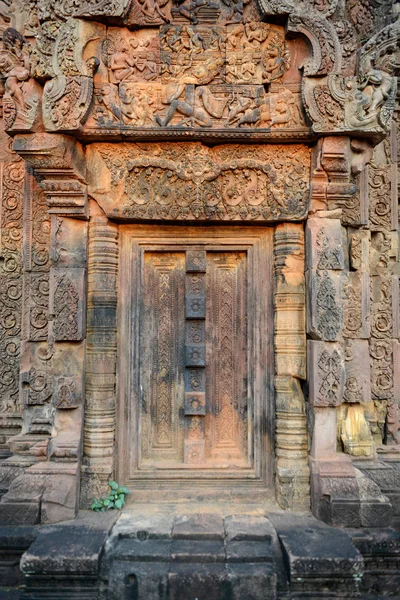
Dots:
{"x": 381, "y": 317}
{"x": 190, "y": 181}
{"x": 353, "y": 314}
{"x": 10, "y": 328}
{"x": 380, "y": 197}
{"x": 11, "y": 282}
{"x": 37, "y": 263}
{"x": 37, "y": 386}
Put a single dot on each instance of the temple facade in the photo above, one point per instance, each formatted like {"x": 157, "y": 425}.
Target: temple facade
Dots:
{"x": 199, "y": 272}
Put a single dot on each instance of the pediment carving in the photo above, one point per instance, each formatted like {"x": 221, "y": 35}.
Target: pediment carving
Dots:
{"x": 197, "y": 69}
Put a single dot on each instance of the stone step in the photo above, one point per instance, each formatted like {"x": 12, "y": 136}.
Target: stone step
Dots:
{"x": 170, "y": 555}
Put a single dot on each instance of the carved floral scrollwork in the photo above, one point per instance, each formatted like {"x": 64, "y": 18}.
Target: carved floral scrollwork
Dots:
{"x": 12, "y": 186}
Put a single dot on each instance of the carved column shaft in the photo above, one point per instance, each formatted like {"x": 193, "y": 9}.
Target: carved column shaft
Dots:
{"x": 99, "y": 430}
{"x": 292, "y": 474}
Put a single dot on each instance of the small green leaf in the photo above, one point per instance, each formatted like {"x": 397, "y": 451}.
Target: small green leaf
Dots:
{"x": 106, "y": 502}
{"x": 113, "y": 485}
{"x": 118, "y": 504}
{"x": 124, "y": 490}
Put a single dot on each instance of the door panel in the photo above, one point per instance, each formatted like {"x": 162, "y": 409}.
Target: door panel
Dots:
{"x": 226, "y": 371}
{"x": 193, "y": 360}
{"x": 196, "y": 355}
{"x": 161, "y": 358}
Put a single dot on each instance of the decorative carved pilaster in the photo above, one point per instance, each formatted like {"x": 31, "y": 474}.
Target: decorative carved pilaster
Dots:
{"x": 99, "y": 429}
{"x": 12, "y": 171}
{"x": 292, "y": 474}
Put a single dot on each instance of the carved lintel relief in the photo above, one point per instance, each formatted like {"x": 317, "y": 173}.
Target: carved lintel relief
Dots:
{"x": 192, "y": 182}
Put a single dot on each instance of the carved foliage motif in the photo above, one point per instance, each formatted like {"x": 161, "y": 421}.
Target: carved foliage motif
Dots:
{"x": 66, "y": 306}
{"x": 329, "y": 312}
{"x": 329, "y": 379}
{"x": 12, "y": 180}
{"x": 176, "y": 181}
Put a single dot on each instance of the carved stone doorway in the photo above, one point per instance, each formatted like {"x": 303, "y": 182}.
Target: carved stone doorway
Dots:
{"x": 196, "y": 356}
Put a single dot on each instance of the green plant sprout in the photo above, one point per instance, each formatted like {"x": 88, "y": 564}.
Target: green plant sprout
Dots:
{"x": 115, "y": 499}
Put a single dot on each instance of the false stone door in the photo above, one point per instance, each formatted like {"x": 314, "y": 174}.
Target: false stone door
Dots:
{"x": 197, "y": 367}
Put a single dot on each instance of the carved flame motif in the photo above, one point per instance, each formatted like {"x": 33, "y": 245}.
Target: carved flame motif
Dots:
{"x": 66, "y": 302}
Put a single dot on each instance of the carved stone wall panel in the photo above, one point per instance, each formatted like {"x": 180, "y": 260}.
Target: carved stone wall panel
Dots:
{"x": 360, "y": 250}
{"x": 358, "y": 379}
{"x": 326, "y": 373}
{"x": 324, "y": 305}
{"x": 191, "y": 182}
{"x": 324, "y": 243}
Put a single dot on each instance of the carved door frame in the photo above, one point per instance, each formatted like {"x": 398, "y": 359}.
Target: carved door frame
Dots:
{"x": 289, "y": 442}
{"x": 49, "y": 152}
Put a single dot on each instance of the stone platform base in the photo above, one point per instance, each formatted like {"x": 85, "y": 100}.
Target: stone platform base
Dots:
{"x": 167, "y": 555}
